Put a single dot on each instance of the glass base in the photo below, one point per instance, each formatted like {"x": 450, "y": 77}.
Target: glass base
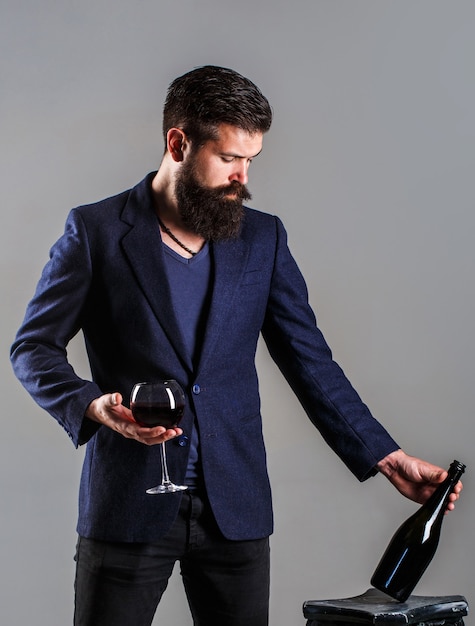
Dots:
{"x": 166, "y": 488}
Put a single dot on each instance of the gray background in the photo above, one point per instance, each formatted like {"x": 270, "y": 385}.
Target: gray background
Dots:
{"x": 370, "y": 163}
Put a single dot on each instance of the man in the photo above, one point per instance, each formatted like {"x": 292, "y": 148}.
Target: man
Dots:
{"x": 175, "y": 279}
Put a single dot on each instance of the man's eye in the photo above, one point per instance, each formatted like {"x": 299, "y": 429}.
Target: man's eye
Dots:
{"x": 227, "y": 159}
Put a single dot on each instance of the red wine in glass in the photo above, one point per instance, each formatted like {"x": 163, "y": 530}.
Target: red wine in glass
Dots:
{"x": 159, "y": 404}
{"x": 154, "y": 414}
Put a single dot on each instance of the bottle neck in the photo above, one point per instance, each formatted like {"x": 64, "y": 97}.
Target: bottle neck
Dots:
{"x": 439, "y": 499}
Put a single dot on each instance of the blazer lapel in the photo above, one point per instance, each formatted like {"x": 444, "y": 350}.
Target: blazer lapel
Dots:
{"x": 142, "y": 245}
{"x": 229, "y": 258}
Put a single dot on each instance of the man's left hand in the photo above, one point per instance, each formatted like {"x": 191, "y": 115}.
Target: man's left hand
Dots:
{"x": 414, "y": 478}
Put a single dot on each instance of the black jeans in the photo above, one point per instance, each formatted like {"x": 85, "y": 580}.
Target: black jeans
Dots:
{"x": 226, "y": 582}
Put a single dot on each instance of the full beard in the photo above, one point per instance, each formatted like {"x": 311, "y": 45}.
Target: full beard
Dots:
{"x": 213, "y": 213}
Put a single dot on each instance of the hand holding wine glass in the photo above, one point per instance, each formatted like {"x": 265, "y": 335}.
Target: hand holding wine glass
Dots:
{"x": 159, "y": 404}
{"x": 109, "y": 411}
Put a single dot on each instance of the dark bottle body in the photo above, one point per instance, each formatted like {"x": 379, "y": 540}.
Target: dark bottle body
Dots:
{"x": 414, "y": 543}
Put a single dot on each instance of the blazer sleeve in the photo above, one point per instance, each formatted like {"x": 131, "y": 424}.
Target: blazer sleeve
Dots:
{"x": 53, "y": 317}
{"x": 299, "y": 349}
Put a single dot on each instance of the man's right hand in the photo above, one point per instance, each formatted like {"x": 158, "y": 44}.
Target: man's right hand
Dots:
{"x": 109, "y": 411}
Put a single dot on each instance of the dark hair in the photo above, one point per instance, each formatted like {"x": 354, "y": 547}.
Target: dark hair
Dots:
{"x": 207, "y": 96}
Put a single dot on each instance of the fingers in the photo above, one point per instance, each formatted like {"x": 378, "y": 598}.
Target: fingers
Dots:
{"x": 431, "y": 473}
{"x": 457, "y": 490}
{"x": 150, "y": 437}
{"x": 109, "y": 411}
{"x": 454, "y": 496}
{"x": 420, "y": 471}
{"x": 125, "y": 424}
{"x": 416, "y": 479}
{"x": 115, "y": 398}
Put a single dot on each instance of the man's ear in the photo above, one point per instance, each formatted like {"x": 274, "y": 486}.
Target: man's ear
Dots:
{"x": 176, "y": 140}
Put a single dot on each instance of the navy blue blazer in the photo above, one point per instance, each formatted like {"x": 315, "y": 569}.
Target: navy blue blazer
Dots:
{"x": 106, "y": 276}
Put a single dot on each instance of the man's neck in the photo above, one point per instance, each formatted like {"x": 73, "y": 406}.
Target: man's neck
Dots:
{"x": 174, "y": 233}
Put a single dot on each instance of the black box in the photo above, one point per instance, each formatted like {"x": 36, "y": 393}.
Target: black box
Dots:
{"x": 374, "y": 607}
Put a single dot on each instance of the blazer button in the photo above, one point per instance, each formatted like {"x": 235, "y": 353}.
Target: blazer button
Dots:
{"x": 182, "y": 441}
{"x": 196, "y": 389}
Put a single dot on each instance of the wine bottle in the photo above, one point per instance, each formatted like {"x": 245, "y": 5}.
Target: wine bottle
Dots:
{"x": 414, "y": 543}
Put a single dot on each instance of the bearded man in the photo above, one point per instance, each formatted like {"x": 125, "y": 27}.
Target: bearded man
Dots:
{"x": 175, "y": 279}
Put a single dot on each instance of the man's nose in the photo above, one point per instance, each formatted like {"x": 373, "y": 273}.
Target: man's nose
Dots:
{"x": 240, "y": 173}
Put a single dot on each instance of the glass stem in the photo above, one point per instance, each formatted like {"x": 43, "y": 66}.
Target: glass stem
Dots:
{"x": 163, "y": 458}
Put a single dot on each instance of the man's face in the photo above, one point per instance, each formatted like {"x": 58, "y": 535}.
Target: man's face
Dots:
{"x": 210, "y": 186}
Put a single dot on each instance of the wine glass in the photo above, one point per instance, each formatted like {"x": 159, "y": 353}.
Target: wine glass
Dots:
{"x": 159, "y": 404}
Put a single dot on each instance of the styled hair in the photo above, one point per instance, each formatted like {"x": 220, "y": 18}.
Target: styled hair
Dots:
{"x": 200, "y": 100}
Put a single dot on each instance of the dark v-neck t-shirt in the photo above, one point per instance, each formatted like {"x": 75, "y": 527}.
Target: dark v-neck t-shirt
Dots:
{"x": 190, "y": 286}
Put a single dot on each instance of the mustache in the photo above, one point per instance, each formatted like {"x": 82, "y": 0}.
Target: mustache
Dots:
{"x": 241, "y": 192}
